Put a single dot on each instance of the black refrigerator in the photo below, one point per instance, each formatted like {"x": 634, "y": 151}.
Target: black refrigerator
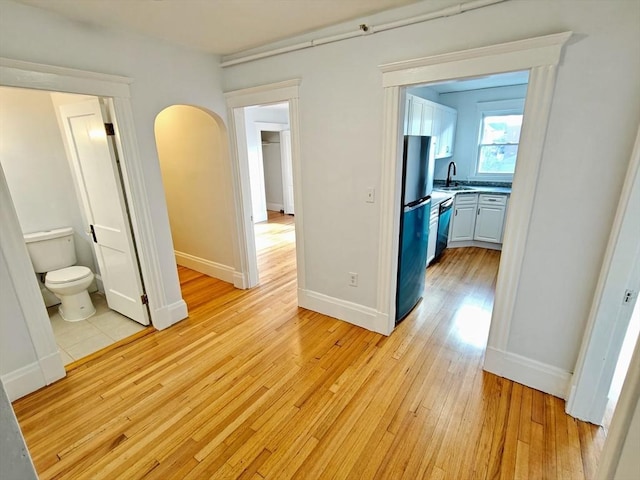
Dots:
{"x": 417, "y": 183}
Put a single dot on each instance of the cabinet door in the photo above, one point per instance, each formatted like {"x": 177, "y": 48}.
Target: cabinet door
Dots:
{"x": 489, "y": 223}
{"x": 464, "y": 220}
{"x": 447, "y": 125}
{"x": 428, "y": 113}
{"x": 415, "y": 117}
{"x": 433, "y": 238}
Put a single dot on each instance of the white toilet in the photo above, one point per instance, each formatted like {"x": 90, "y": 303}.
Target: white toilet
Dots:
{"x": 53, "y": 252}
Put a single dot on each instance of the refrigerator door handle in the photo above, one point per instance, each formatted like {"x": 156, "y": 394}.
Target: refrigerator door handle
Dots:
{"x": 419, "y": 201}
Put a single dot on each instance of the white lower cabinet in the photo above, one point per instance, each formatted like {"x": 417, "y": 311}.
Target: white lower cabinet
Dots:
{"x": 433, "y": 233}
{"x": 478, "y": 218}
{"x": 464, "y": 217}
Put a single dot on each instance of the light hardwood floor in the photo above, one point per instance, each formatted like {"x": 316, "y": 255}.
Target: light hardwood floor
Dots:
{"x": 252, "y": 387}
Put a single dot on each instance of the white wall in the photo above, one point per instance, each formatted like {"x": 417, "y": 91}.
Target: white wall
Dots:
{"x": 465, "y": 148}
{"x": 162, "y": 75}
{"x": 36, "y": 167}
{"x": 194, "y": 159}
{"x": 591, "y": 132}
{"x": 252, "y": 115}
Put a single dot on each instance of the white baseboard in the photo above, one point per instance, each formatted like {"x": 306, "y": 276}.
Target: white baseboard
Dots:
{"x": 350, "y": 312}
{"x": 529, "y": 372}
{"x": 275, "y": 207}
{"x": 475, "y": 243}
{"x": 169, "y": 315}
{"x": 23, "y": 381}
{"x": 33, "y": 376}
{"x": 202, "y": 265}
{"x": 52, "y": 367}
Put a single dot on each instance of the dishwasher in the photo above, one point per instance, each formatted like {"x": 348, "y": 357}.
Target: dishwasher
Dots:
{"x": 444, "y": 219}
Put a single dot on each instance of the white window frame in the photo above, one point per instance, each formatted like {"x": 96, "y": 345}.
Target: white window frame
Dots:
{"x": 502, "y": 107}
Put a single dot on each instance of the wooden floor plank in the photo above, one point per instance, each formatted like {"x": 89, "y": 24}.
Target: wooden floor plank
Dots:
{"x": 251, "y": 386}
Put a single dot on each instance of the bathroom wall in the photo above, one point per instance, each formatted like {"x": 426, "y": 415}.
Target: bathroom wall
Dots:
{"x": 36, "y": 167}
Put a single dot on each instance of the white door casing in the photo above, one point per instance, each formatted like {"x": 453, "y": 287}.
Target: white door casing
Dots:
{"x": 540, "y": 56}
{"x": 287, "y": 171}
{"x": 610, "y": 314}
{"x": 97, "y": 173}
{"x": 244, "y": 241}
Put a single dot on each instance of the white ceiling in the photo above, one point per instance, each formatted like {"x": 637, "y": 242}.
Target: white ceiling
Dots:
{"x": 217, "y": 26}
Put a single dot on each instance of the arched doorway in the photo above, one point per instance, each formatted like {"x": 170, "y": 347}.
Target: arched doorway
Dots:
{"x": 194, "y": 162}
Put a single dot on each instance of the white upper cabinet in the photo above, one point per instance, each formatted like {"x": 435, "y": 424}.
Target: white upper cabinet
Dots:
{"x": 447, "y": 118}
{"x": 424, "y": 117}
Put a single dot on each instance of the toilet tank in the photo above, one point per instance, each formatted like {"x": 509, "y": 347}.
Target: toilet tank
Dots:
{"x": 51, "y": 250}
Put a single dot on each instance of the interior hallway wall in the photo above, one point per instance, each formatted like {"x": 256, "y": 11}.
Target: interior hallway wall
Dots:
{"x": 589, "y": 142}
{"x": 194, "y": 159}
{"x": 162, "y": 74}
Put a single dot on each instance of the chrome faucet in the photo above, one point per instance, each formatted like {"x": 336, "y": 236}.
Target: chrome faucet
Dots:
{"x": 451, "y": 164}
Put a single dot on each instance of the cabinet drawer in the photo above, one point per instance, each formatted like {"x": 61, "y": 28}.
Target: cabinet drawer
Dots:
{"x": 466, "y": 198}
{"x": 488, "y": 199}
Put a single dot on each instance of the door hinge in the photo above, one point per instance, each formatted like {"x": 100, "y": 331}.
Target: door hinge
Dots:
{"x": 93, "y": 234}
{"x": 145, "y": 299}
{"x": 108, "y": 127}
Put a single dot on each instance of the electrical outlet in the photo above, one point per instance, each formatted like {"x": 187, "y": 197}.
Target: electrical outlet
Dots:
{"x": 353, "y": 279}
{"x": 371, "y": 195}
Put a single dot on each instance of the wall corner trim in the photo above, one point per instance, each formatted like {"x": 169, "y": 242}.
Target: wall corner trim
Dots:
{"x": 356, "y": 314}
{"x": 23, "y": 381}
{"x": 169, "y": 315}
{"x": 528, "y": 372}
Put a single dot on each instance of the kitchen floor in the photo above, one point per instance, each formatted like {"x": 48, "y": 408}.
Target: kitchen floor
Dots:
{"x": 77, "y": 340}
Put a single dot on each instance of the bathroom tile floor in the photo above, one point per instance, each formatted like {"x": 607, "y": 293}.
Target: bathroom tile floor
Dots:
{"x": 78, "y": 339}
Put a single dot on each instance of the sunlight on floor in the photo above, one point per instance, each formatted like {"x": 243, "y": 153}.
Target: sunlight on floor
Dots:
{"x": 471, "y": 324}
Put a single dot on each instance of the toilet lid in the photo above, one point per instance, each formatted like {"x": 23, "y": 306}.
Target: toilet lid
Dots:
{"x": 68, "y": 274}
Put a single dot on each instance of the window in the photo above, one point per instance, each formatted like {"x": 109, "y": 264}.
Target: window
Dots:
{"x": 499, "y": 138}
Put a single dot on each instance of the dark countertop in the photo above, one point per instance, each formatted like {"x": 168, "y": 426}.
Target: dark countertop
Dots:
{"x": 473, "y": 189}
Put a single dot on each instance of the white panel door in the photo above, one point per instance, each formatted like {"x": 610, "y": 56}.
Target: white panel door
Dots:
{"x": 464, "y": 221}
{"x": 489, "y": 223}
{"x": 97, "y": 172}
{"x": 287, "y": 171}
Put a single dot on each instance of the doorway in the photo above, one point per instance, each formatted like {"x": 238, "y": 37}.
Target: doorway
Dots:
{"x": 245, "y": 108}
{"x": 452, "y": 116}
{"x": 45, "y": 188}
{"x": 268, "y": 143}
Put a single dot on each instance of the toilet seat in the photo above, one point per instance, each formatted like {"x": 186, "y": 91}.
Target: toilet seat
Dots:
{"x": 68, "y": 274}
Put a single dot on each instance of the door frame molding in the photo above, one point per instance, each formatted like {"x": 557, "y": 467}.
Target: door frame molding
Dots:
{"x": 17, "y": 73}
{"x": 286, "y": 91}
{"x": 539, "y": 55}
{"x": 609, "y": 318}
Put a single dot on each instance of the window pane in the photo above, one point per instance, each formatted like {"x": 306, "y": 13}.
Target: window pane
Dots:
{"x": 497, "y": 159}
{"x": 501, "y": 128}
